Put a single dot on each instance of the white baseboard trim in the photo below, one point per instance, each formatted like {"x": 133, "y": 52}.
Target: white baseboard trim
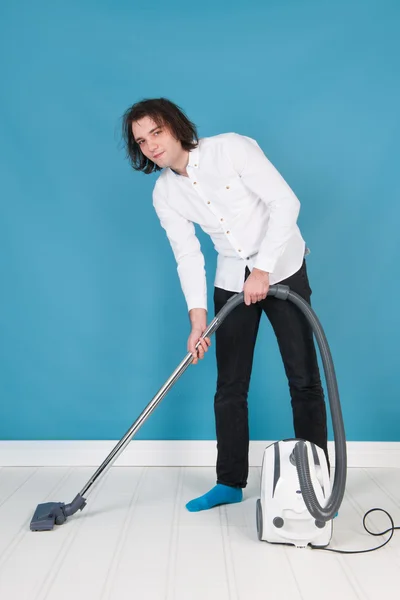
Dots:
{"x": 154, "y": 453}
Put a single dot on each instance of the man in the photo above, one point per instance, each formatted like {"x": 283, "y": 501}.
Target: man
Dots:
{"x": 226, "y": 185}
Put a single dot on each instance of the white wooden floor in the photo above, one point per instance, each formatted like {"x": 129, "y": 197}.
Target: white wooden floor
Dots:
{"x": 136, "y": 540}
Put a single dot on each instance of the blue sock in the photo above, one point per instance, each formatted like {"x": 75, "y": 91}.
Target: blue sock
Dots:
{"x": 220, "y": 494}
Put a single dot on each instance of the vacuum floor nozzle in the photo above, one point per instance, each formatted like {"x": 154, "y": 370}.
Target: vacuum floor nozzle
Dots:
{"x": 47, "y": 515}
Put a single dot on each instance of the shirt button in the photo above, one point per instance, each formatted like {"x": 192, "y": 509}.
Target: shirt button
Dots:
{"x": 195, "y": 165}
{"x": 239, "y": 250}
{"x": 227, "y": 187}
{"x": 194, "y": 182}
{"x": 221, "y": 219}
{"x": 228, "y": 232}
{"x": 208, "y": 202}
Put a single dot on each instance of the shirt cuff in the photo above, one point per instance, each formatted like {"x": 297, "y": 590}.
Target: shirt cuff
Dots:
{"x": 265, "y": 264}
{"x": 196, "y": 303}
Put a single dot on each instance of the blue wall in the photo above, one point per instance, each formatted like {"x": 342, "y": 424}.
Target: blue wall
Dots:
{"x": 92, "y": 318}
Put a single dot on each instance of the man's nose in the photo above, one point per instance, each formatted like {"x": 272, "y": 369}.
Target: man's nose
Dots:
{"x": 152, "y": 145}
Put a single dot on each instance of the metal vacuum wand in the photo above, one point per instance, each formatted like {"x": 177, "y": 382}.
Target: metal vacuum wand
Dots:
{"x": 50, "y": 513}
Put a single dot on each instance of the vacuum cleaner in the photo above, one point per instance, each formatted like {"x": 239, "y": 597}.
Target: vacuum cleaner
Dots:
{"x": 296, "y": 504}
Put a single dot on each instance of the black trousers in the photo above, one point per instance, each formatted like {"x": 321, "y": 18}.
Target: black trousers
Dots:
{"x": 235, "y": 342}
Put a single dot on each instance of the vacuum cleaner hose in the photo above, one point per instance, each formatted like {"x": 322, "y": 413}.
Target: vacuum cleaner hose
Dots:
{"x": 300, "y": 452}
{"x": 319, "y": 512}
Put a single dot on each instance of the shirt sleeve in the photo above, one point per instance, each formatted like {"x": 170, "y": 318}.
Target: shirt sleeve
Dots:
{"x": 186, "y": 248}
{"x": 260, "y": 176}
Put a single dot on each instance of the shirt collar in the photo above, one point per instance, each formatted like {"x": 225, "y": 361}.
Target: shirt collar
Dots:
{"x": 193, "y": 160}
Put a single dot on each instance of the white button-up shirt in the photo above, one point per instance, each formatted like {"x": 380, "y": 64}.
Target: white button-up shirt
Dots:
{"x": 237, "y": 196}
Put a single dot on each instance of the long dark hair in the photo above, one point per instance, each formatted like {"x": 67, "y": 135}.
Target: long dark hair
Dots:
{"x": 164, "y": 113}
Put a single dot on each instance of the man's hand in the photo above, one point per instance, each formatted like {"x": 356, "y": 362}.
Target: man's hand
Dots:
{"x": 198, "y": 319}
{"x": 256, "y": 286}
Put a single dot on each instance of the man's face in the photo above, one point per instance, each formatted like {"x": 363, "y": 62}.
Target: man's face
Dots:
{"x": 157, "y": 143}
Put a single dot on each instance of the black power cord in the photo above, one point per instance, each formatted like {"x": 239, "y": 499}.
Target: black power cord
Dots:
{"x": 391, "y": 529}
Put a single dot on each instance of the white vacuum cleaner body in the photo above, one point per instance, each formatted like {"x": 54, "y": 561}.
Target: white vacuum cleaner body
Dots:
{"x": 282, "y": 516}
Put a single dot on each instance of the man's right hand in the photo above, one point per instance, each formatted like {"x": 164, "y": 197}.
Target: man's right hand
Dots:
{"x": 198, "y": 319}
